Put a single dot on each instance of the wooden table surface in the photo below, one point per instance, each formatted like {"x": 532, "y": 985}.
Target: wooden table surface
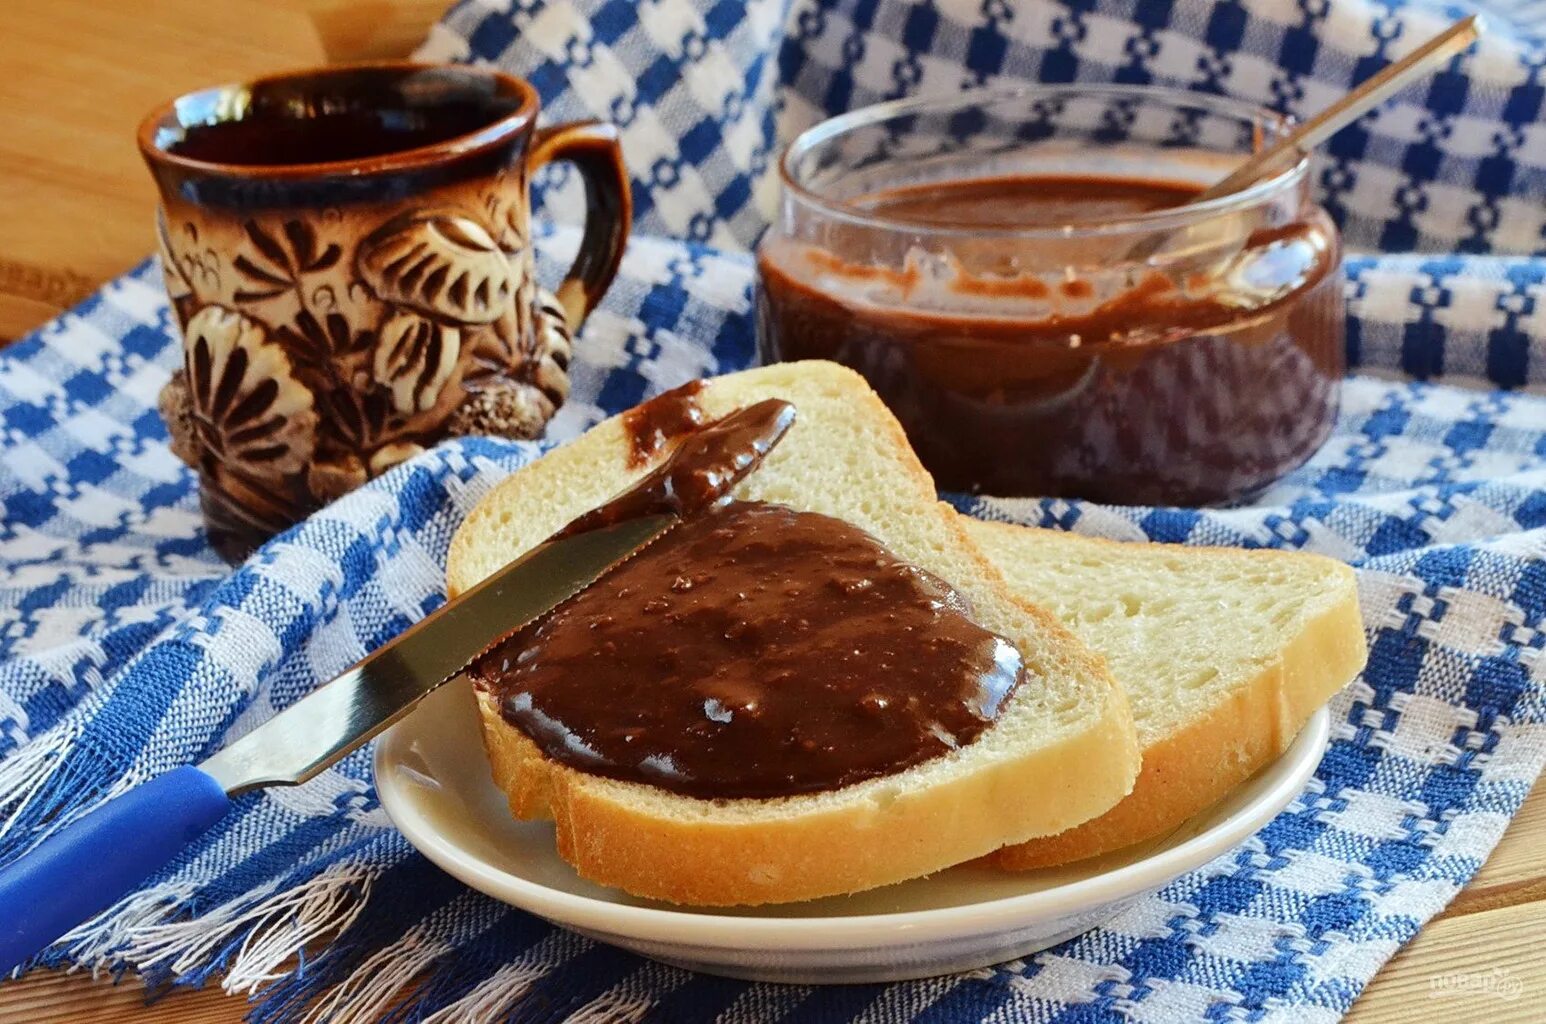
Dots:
{"x": 75, "y": 208}
{"x": 75, "y": 198}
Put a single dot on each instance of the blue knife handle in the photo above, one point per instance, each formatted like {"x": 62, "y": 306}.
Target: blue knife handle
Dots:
{"x": 85, "y": 868}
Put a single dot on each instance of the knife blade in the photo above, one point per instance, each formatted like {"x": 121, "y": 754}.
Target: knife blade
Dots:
{"x": 85, "y": 867}
{"x": 386, "y": 684}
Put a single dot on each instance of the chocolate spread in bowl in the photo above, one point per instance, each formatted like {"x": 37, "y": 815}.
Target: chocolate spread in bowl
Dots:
{"x": 1153, "y": 389}
{"x": 752, "y": 651}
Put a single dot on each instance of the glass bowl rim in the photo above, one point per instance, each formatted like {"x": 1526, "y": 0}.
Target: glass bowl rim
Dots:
{"x": 1153, "y": 220}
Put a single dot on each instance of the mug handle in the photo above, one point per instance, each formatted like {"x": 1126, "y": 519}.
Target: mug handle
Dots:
{"x": 592, "y": 146}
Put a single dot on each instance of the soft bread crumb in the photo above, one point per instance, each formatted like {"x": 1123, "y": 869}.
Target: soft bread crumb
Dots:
{"x": 1224, "y": 655}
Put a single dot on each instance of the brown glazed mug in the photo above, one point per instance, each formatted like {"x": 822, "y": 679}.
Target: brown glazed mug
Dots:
{"x": 348, "y": 255}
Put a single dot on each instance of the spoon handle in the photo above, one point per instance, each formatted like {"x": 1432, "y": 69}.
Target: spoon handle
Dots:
{"x": 1369, "y": 94}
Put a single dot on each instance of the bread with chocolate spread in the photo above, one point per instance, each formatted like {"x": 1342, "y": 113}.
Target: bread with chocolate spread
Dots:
{"x": 1059, "y": 751}
{"x": 1224, "y": 655}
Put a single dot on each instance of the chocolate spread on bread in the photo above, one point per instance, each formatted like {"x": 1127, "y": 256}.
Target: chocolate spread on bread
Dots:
{"x": 752, "y": 651}
{"x": 1164, "y": 390}
{"x": 755, "y": 651}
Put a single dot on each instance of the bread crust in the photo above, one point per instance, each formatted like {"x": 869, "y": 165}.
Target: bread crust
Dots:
{"x": 610, "y": 839}
{"x": 690, "y": 851}
{"x": 1191, "y": 769}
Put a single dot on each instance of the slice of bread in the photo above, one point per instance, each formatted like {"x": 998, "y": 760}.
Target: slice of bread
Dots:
{"x": 1061, "y": 752}
{"x": 1224, "y": 655}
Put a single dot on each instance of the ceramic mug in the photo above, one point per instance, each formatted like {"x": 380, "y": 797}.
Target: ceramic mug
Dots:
{"x": 348, "y": 255}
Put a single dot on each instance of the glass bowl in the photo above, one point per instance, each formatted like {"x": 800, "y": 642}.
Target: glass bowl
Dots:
{"x": 1011, "y": 271}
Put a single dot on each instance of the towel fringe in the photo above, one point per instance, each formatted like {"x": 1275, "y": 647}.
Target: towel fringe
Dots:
{"x": 611, "y": 1008}
{"x": 374, "y": 984}
{"x": 26, "y": 772}
{"x": 493, "y": 999}
{"x": 96, "y": 943}
{"x": 259, "y": 932}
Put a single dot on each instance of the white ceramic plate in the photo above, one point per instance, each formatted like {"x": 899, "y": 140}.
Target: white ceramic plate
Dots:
{"x": 434, "y": 782}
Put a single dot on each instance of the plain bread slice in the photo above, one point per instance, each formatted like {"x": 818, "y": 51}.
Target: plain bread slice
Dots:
{"x": 1224, "y": 655}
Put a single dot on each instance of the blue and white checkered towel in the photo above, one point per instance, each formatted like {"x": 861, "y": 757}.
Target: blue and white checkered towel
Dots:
{"x": 127, "y": 648}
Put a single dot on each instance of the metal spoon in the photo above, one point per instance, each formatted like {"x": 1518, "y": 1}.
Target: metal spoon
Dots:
{"x": 1305, "y": 136}
{"x": 1369, "y": 94}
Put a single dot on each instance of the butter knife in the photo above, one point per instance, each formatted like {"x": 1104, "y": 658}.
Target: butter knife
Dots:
{"x": 90, "y": 864}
